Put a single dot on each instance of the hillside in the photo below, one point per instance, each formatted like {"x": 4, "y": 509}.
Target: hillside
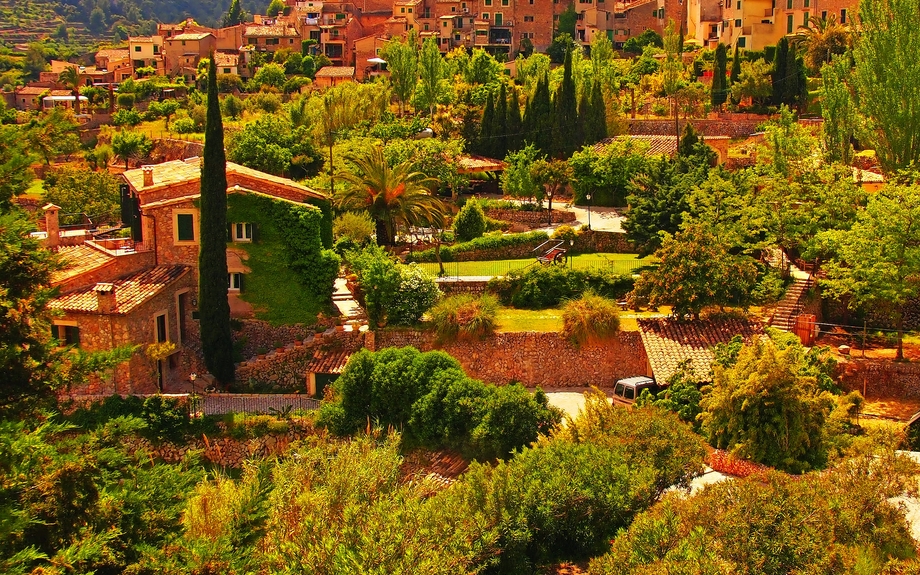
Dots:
{"x": 89, "y": 22}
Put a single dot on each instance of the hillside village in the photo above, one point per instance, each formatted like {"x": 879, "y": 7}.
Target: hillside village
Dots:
{"x": 453, "y": 287}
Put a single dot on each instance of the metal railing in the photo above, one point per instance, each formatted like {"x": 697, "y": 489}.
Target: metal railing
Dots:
{"x": 501, "y": 268}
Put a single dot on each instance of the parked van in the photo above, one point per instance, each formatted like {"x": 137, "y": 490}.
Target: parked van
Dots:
{"x": 626, "y": 391}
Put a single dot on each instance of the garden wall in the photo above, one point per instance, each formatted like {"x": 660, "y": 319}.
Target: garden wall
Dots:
{"x": 532, "y": 358}
{"x": 882, "y": 379}
{"x": 594, "y": 241}
{"x": 261, "y": 337}
{"x": 741, "y": 126}
{"x": 531, "y": 218}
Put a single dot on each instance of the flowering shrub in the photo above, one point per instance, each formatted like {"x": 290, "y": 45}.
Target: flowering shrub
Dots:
{"x": 724, "y": 462}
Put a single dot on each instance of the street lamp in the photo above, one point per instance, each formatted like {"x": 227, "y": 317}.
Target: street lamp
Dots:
{"x": 549, "y": 194}
{"x": 192, "y": 377}
{"x": 588, "y": 197}
{"x": 571, "y": 245}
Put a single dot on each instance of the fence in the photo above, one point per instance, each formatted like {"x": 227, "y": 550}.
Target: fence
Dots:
{"x": 221, "y": 403}
{"x": 502, "y": 267}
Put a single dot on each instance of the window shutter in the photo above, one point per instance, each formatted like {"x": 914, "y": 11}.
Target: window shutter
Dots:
{"x": 255, "y": 232}
{"x": 229, "y": 232}
{"x": 242, "y": 282}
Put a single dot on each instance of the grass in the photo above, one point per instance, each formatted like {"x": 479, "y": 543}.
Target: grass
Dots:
{"x": 35, "y": 190}
{"x": 550, "y": 320}
{"x": 624, "y": 263}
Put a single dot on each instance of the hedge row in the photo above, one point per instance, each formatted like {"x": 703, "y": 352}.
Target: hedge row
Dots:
{"x": 488, "y": 247}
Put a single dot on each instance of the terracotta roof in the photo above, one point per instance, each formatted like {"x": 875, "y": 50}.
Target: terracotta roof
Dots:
{"x": 114, "y": 54}
{"x": 130, "y": 291}
{"x": 79, "y": 259}
{"x": 335, "y": 72}
{"x": 184, "y": 171}
{"x": 31, "y": 91}
{"x": 328, "y": 362}
{"x": 58, "y": 66}
{"x": 222, "y": 59}
{"x": 270, "y": 31}
{"x": 142, "y": 39}
{"x": 191, "y": 36}
{"x": 471, "y": 163}
{"x": 668, "y": 342}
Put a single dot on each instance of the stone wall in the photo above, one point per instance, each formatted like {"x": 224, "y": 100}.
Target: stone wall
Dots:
{"x": 880, "y": 379}
{"x": 259, "y": 335}
{"x": 452, "y": 286}
{"x": 531, "y": 218}
{"x": 166, "y": 150}
{"x": 735, "y": 127}
{"x": 594, "y": 241}
{"x": 532, "y": 358}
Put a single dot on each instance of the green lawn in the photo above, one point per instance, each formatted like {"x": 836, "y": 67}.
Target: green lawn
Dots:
{"x": 543, "y": 320}
{"x": 35, "y": 190}
{"x": 624, "y": 263}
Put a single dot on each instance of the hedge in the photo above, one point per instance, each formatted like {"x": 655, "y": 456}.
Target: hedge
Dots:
{"x": 499, "y": 247}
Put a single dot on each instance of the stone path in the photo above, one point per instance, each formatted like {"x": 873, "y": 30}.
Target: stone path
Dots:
{"x": 345, "y": 303}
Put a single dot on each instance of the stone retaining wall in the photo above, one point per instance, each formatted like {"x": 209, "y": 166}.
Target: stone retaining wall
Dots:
{"x": 262, "y": 336}
{"x": 739, "y": 127}
{"x": 594, "y": 241}
{"x": 532, "y": 358}
{"x": 531, "y": 218}
{"x": 880, "y": 379}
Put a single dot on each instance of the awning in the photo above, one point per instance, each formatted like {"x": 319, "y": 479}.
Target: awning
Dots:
{"x": 376, "y": 60}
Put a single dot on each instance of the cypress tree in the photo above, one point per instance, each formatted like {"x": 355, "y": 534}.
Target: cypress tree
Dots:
{"x": 584, "y": 115}
{"x": 514, "y": 122}
{"x": 538, "y": 121}
{"x": 719, "y": 88}
{"x": 565, "y": 117}
{"x": 214, "y": 309}
{"x": 779, "y": 71}
{"x": 795, "y": 87}
{"x": 500, "y": 131}
{"x": 486, "y": 139}
{"x": 736, "y": 71}
{"x": 596, "y": 123}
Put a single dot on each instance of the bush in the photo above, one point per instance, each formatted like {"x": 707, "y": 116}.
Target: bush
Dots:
{"x": 184, "y": 126}
{"x": 435, "y": 403}
{"x": 470, "y": 223}
{"x": 465, "y": 316}
{"x": 232, "y": 106}
{"x": 125, "y": 100}
{"x": 394, "y": 294}
{"x": 417, "y": 292}
{"x": 126, "y": 117}
{"x": 590, "y": 319}
{"x": 267, "y": 102}
{"x": 540, "y": 287}
{"x": 490, "y": 242}
{"x": 565, "y": 232}
{"x": 301, "y": 232}
{"x": 358, "y": 227}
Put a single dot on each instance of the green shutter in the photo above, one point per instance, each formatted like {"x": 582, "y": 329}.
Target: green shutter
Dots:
{"x": 185, "y": 227}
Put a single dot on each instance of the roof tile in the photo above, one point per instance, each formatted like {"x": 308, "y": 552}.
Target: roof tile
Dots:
{"x": 130, "y": 291}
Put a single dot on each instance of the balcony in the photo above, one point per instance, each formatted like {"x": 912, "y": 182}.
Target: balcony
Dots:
{"x": 500, "y": 36}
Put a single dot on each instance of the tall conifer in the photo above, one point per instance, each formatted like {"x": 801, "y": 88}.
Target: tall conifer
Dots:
{"x": 486, "y": 127}
{"x": 500, "y": 131}
{"x": 780, "y": 61}
{"x": 565, "y": 116}
{"x": 596, "y": 123}
{"x": 214, "y": 309}
{"x": 538, "y": 121}
{"x": 515, "y": 122}
{"x": 719, "y": 87}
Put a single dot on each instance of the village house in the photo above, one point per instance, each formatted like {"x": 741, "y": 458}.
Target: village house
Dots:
{"x": 184, "y": 51}
{"x": 142, "y": 290}
{"x": 146, "y": 52}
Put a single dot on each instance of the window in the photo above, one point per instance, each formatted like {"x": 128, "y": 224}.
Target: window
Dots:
{"x": 742, "y": 42}
{"x": 66, "y": 334}
{"x": 528, "y": 18}
{"x": 824, "y": 15}
{"x": 161, "y": 327}
{"x": 843, "y": 16}
{"x": 788, "y": 4}
{"x": 629, "y": 393}
{"x": 485, "y": 15}
{"x": 426, "y": 27}
{"x": 137, "y": 48}
{"x": 184, "y": 230}
{"x": 805, "y": 19}
{"x": 183, "y": 42}
{"x": 488, "y": 2}
{"x": 241, "y": 232}
{"x": 410, "y": 10}
{"x": 156, "y": 49}
{"x": 789, "y": 23}
{"x": 226, "y": 70}
{"x": 738, "y": 5}
{"x": 235, "y": 281}
{"x": 505, "y": 2}
{"x": 806, "y": 4}
{"x": 402, "y": 10}
{"x": 738, "y": 23}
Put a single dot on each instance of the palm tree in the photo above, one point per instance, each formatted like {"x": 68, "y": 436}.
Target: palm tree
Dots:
{"x": 392, "y": 196}
{"x": 822, "y": 39}
{"x": 70, "y": 78}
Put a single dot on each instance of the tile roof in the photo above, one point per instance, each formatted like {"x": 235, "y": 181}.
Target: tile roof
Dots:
{"x": 328, "y": 362}
{"x": 222, "y": 59}
{"x": 79, "y": 259}
{"x": 270, "y": 31}
{"x": 668, "y": 342}
{"x": 178, "y": 172}
{"x": 114, "y": 54}
{"x": 471, "y": 163}
{"x": 130, "y": 291}
{"x": 31, "y": 91}
{"x": 142, "y": 39}
{"x": 335, "y": 72}
{"x": 191, "y": 36}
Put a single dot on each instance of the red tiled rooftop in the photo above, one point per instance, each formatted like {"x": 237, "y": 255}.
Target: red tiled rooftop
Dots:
{"x": 79, "y": 260}
{"x": 472, "y": 163}
{"x": 328, "y": 362}
{"x": 669, "y": 342}
{"x": 336, "y": 72}
{"x": 130, "y": 291}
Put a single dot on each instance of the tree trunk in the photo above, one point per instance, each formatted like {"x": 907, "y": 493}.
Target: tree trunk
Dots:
{"x": 437, "y": 255}
{"x": 549, "y": 211}
{"x": 900, "y": 354}
{"x": 383, "y": 235}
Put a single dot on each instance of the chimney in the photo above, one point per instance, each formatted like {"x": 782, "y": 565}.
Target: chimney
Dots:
{"x": 148, "y": 176}
{"x": 105, "y": 297}
{"x": 52, "y": 226}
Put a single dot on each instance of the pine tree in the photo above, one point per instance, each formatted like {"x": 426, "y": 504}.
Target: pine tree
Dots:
{"x": 719, "y": 88}
{"x": 500, "y": 129}
{"x": 235, "y": 15}
{"x": 565, "y": 116}
{"x": 486, "y": 135}
{"x": 779, "y": 71}
{"x": 214, "y": 308}
{"x": 515, "y": 123}
{"x": 596, "y": 123}
{"x": 538, "y": 121}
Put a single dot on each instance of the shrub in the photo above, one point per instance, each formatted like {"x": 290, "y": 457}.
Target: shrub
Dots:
{"x": 126, "y": 117}
{"x": 465, "y": 316}
{"x": 267, "y": 102}
{"x": 565, "y": 232}
{"x": 184, "y": 126}
{"x": 417, "y": 292}
{"x": 358, "y": 227}
{"x": 540, "y": 287}
{"x": 301, "y": 232}
{"x": 232, "y": 106}
{"x": 394, "y": 294}
{"x": 590, "y": 319}
{"x": 125, "y": 100}
{"x": 470, "y": 223}
{"x": 490, "y": 242}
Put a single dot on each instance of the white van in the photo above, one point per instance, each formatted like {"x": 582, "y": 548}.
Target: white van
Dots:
{"x": 626, "y": 391}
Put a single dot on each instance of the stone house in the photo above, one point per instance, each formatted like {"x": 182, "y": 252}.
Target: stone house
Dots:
{"x": 184, "y": 51}
{"x": 142, "y": 290}
{"x": 146, "y": 52}
{"x": 328, "y": 76}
